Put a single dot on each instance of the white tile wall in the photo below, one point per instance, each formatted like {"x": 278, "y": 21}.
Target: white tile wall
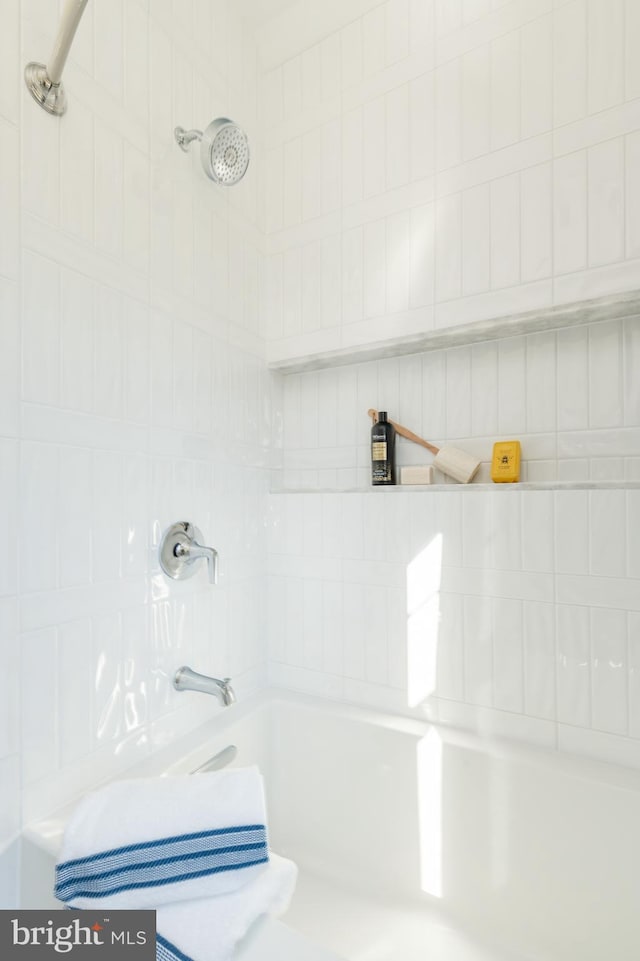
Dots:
{"x": 132, "y": 393}
{"x": 497, "y": 636}
{"x": 517, "y": 121}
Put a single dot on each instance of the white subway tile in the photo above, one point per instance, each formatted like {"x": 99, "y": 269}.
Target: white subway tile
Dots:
{"x": 608, "y": 533}
{"x": 10, "y": 359}
{"x": 573, "y": 668}
{"x": 450, "y": 653}
{"x": 272, "y": 97}
{"x": 448, "y": 16}
{"x": 539, "y": 660}
{"x": 9, "y": 473}
{"x": 434, "y": 394}
{"x": 536, "y": 223}
{"x": 632, "y": 195}
{"x": 537, "y": 77}
{"x": 38, "y": 485}
{"x": 505, "y": 90}
{"x": 106, "y": 516}
{"x": 311, "y": 78}
{"x": 374, "y": 144}
{"x": 484, "y": 398}
{"x": 109, "y": 180}
{"x": 508, "y": 688}
{"x": 292, "y": 283}
{"x": 330, "y": 282}
{"x": 541, "y": 382}
{"x": 312, "y": 625}
{"x": 352, "y": 275}
{"x": 422, "y": 126}
{"x": 537, "y": 531}
{"x": 310, "y": 287}
{"x": 570, "y": 62}
{"x": 40, "y": 330}
{"x": 292, "y": 190}
{"x": 506, "y": 530}
{"x": 476, "y": 246}
{"x": 292, "y": 88}
{"x": 75, "y": 686}
{"x": 74, "y": 517}
{"x": 109, "y": 47}
{"x": 476, "y": 103}
{"x": 606, "y": 67}
{"x": 274, "y": 189}
{"x": 9, "y": 200}
{"x": 572, "y": 532}
{"x": 458, "y": 395}
{"x": 108, "y": 679}
{"x": 373, "y": 41}
{"x": 606, "y": 203}
{"x": 477, "y": 524}
{"x": 634, "y": 674}
{"x": 570, "y": 212}
{"x": 375, "y": 246}
{"x": 448, "y": 134}
{"x": 41, "y": 182}
{"x": 609, "y": 671}
{"x": 331, "y": 166}
{"x": 311, "y": 174}
{"x": 632, "y": 66}
{"x": 38, "y": 705}
{"x": 512, "y": 394}
{"x": 633, "y": 528}
{"x": 505, "y": 231}
{"x": 397, "y": 137}
{"x": 398, "y": 261}
{"x": 605, "y": 375}
{"x": 355, "y": 640}
{"x": 573, "y": 379}
{"x": 137, "y": 401}
{"x": 422, "y": 264}
{"x": 448, "y": 248}
{"x": 478, "y": 651}
{"x": 77, "y": 337}
{"x": 109, "y": 353}
{"x": 351, "y": 47}
{"x": 352, "y": 159}
{"x": 333, "y": 626}
{"x": 396, "y": 30}
{"x": 331, "y": 67}
{"x": 10, "y": 62}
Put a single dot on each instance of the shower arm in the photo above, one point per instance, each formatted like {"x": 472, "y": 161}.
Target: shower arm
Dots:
{"x": 44, "y": 81}
{"x": 184, "y": 138}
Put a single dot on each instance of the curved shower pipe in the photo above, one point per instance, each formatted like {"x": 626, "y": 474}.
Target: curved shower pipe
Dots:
{"x": 44, "y": 81}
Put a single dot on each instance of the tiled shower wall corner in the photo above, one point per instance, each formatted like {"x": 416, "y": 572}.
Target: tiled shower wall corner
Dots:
{"x": 133, "y": 393}
{"x": 572, "y": 397}
{"x": 512, "y": 612}
{"x": 437, "y": 162}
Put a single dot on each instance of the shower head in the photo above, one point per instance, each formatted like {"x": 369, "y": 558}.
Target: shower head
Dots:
{"x": 224, "y": 150}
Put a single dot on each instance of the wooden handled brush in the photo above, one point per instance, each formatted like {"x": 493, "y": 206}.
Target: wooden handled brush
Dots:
{"x": 452, "y": 462}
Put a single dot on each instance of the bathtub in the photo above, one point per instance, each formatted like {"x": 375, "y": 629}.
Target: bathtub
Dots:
{"x": 417, "y": 842}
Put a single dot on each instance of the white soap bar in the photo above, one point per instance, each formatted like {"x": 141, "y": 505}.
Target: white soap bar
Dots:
{"x": 416, "y": 475}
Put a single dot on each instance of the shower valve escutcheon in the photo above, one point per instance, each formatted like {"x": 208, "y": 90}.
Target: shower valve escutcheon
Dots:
{"x": 180, "y": 549}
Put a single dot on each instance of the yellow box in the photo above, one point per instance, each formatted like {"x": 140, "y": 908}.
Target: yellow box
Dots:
{"x": 505, "y": 464}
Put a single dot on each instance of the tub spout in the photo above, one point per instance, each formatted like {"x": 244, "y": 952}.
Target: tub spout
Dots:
{"x": 187, "y": 680}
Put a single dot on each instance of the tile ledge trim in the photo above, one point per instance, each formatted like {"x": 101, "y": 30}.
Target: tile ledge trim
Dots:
{"x": 559, "y": 317}
{"x": 452, "y": 488}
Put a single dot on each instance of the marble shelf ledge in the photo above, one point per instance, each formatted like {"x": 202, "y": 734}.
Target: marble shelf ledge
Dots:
{"x": 552, "y": 318}
{"x": 452, "y": 488}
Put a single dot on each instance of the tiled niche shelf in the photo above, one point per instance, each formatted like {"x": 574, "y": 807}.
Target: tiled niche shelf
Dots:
{"x": 456, "y": 488}
{"x": 578, "y": 314}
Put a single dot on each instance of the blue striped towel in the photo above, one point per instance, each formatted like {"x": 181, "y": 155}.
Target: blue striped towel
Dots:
{"x": 147, "y": 842}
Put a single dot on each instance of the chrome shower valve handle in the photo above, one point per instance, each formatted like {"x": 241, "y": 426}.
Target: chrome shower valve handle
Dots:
{"x": 181, "y": 546}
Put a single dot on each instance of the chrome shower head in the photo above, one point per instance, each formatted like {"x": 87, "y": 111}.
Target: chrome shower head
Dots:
{"x": 224, "y": 150}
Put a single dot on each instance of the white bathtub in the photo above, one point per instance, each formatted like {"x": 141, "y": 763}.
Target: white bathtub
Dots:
{"x": 415, "y": 842}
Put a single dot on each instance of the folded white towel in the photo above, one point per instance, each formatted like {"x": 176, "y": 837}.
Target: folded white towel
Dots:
{"x": 209, "y": 930}
{"x": 150, "y": 841}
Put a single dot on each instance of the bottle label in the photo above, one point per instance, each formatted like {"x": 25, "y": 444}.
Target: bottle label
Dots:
{"x": 379, "y": 450}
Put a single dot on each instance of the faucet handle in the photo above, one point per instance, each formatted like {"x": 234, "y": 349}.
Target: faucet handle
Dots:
{"x": 181, "y": 546}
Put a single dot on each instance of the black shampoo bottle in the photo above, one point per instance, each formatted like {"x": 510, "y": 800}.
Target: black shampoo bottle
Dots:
{"x": 383, "y": 442}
